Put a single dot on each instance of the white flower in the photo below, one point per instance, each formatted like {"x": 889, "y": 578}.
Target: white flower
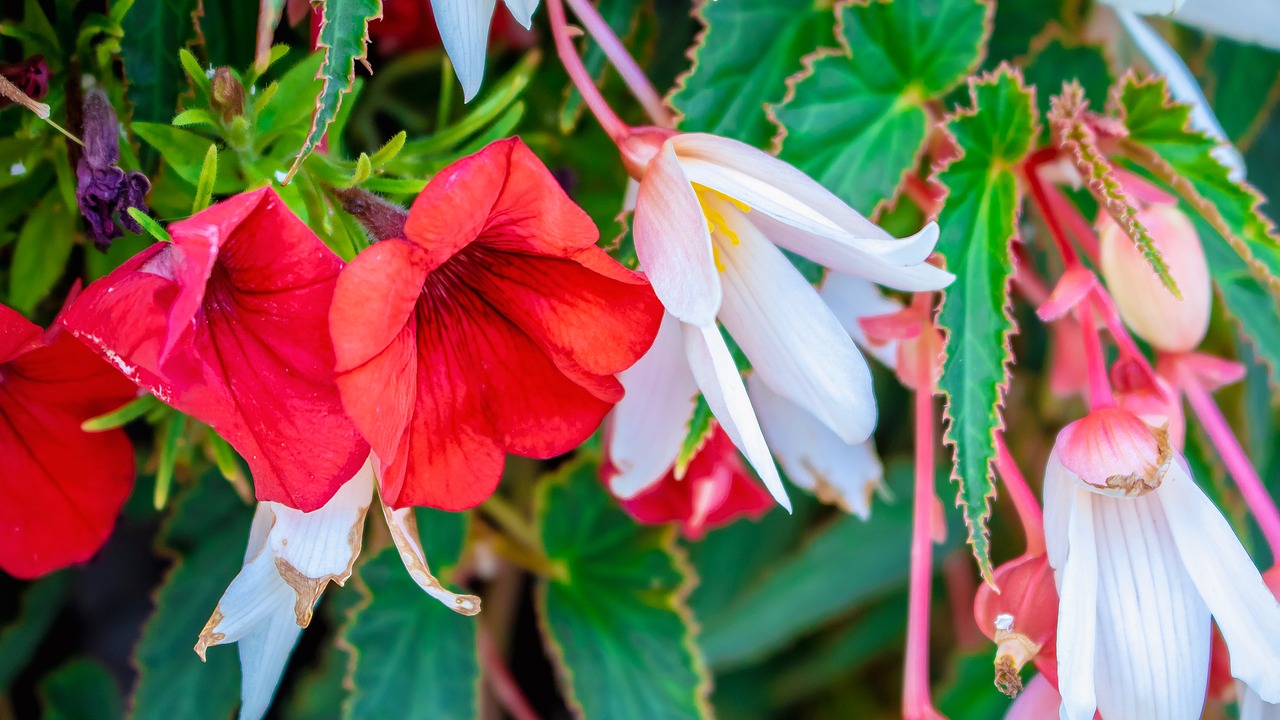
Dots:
{"x": 291, "y": 558}
{"x": 464, "y": 31}
{"x": 1141, "y": 575}
{"x": 1250, "y": 21}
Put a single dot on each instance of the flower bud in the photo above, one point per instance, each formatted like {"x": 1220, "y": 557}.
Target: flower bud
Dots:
{"x": 31, "y": 76}
{"x": 227, "y": 94}
{"x": 1021, "y": 618}
{"x": 1114, "y": 452}
{"x": 1145, "y": 304}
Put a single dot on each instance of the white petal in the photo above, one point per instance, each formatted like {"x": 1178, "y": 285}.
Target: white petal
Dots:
{"x": 1153, "y": 628}
{"x": 1147, "y": 7}
{"x": 404, "y": 533}
{"x": 814, "y": 457}
{"x": 1183, "y": 86}
{"x": 1245, "y": 610}
{"x": 1059, "y": 497}
{"x": 1251, "y": 21}
{"x": 1078, "y": 611}
{"x": 316, "y": 548}
{"x": 793, "y": 340}
{"x": 854, "y": 259}
{"x": 673, "y": 242}
{"x": 264, "y": 653}
{"x": 851, "y": 298}
{"x": 647, "y": 427}
{"x": 464, "y": 31}
{"x": 1253, "y": 707}
{"x": 721, "y": 384}
{"x": 522, "y": 10}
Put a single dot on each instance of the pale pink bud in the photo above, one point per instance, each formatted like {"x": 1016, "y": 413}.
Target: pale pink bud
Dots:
{"x": 1145, "y": 304}
{"x": 1112, "y": 451}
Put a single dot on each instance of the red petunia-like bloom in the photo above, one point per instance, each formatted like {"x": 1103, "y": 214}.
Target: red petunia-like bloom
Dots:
{"x": 495, "y": 325}
{"x": 229, "y": 324}
{"x": 60, "y": 487}
{"x": 716, "y": 489}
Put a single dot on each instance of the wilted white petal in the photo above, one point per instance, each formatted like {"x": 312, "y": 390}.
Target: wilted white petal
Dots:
{"x": 464, "y": 31}
{"x": 1078, "y": 610}
{"x": 1153, "y": 628}
{"x": 1253, "y": 707}
{"x": 721, "y": 384}
{"x": 817, "y": 460}
{"x": 404, "y": 533}
{"x": 1183, "y": 86}
{"x": 673, "y": 242}
{"x": 313, "y": 549}
{"x": 793, "y": 341}
{"x": 1245, "y": 610}
{"x": 522, "y": 10}
{"x": 647, "y": 427}
{"x": 851, "y": 298}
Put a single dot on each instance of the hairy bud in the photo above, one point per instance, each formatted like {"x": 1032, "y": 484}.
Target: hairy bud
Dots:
{"x": 228, "y": 94}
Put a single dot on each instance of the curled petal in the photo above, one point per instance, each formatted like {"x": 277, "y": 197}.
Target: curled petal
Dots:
{"x": 404, "y": 533}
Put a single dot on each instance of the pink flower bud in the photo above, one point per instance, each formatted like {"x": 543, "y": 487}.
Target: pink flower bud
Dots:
{"x": 1112, "y": 451}
{"x": 1146, "y": 306}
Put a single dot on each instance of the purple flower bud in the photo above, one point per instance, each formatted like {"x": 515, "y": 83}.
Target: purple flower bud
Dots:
{"x": 104, "y": 192}
{"x": 31, "y": 76}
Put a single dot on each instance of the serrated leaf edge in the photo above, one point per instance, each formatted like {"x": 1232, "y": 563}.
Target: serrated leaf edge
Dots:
{"x": 979, "y": 535}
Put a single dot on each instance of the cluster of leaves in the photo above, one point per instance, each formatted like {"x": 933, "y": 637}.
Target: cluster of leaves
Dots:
{"x": 888, "y": 103}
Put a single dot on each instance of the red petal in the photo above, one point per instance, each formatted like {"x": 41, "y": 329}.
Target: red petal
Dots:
{"x": 253, "y": 359}
{"x": 715, "y": 491}
{"x": 502, "y": 197}
{"x": 60, "y": 487}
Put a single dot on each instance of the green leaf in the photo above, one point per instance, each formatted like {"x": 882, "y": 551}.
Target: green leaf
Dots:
{"x": 807, "y": 587}
{"x": 978, "y": 225}
{"x": 118, "y": 418}
{"x": 149, "y": 225}
{"x": 1161, "y": 140}
{"x": 20, "y": 636}
{"x": 856, "y": 120}
{"x": 153, "y": 34}
{"x": 192, "y": 68}
{"x": 614, "y": 615}
{"x": 1245, "y": 298}
{"x": 741, "y": 61}
{"x": 290, "y": 103}
{"x": 82, "y": 689}
{"x": 206, "y": 537}
{"x": 184, "y": 153}
{"x": 208, "y": 176}
{"x": 699, "y": 431}
{"x": 413, "y": 657}
{"x": 41, "y": 253}
{"x": 344, "y": 34}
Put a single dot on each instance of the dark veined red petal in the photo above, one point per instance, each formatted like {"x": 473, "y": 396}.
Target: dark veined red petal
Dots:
{"x": 60, "y": 487}
{"x": 518, "y": 325}
{"x": 716, "y": 490}
{"x": 229, "y": 323}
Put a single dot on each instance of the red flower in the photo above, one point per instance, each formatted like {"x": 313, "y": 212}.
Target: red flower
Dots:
{"x": 229, "y": 324}
{"x": 495, "y": 325}
{"x": 60, "y": 487}
{"x": 716, "y": 490}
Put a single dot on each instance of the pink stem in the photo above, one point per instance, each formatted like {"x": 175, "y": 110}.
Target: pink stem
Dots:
{"x": 1065, "y": 211}
{"x": 916, "y": 703}
{"x": 1238, "y": 464}
{"x": 631, "y": 73}
{"x": 578, "y": 74}
{"x": 1024, "y": 500}
{"x": 1040, "y": 197}
{"x": 500, "y": 680}
{"x": 1100, "y": 394}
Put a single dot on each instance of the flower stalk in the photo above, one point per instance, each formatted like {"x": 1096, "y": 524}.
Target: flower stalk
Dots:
{"x": 1024, "y": 500}
{"x": 630, "y": 71}
{"x": 580, "y": 76}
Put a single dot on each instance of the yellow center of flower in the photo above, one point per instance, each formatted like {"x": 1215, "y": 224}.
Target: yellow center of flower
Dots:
{"x": 718, "y": 209}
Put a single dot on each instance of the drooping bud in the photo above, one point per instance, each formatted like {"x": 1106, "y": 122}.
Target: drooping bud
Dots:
{"x": 1021, "y": 618}
{"x": 383, "y": 219}
{"x": 227, "y": 94}
{"x": 1145, "y": 304}
{"x": 104, "y": 192}
{"x": 1112, "y": 451}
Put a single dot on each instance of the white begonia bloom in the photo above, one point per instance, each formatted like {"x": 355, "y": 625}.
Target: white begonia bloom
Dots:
{"x": 1249, "y": 21}
{"x": 1140, "y": 578}
{"x": 711, "y": 216}
{"x": 464, "y": 31}
{"x": 290, "y": 559}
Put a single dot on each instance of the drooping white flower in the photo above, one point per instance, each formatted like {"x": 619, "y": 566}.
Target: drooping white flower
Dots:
{"x": 1144, "y": 561}
{"x": 291, "y": 558}
{"x": 1250, "y": 21}
{"x": 464, "y": 31}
